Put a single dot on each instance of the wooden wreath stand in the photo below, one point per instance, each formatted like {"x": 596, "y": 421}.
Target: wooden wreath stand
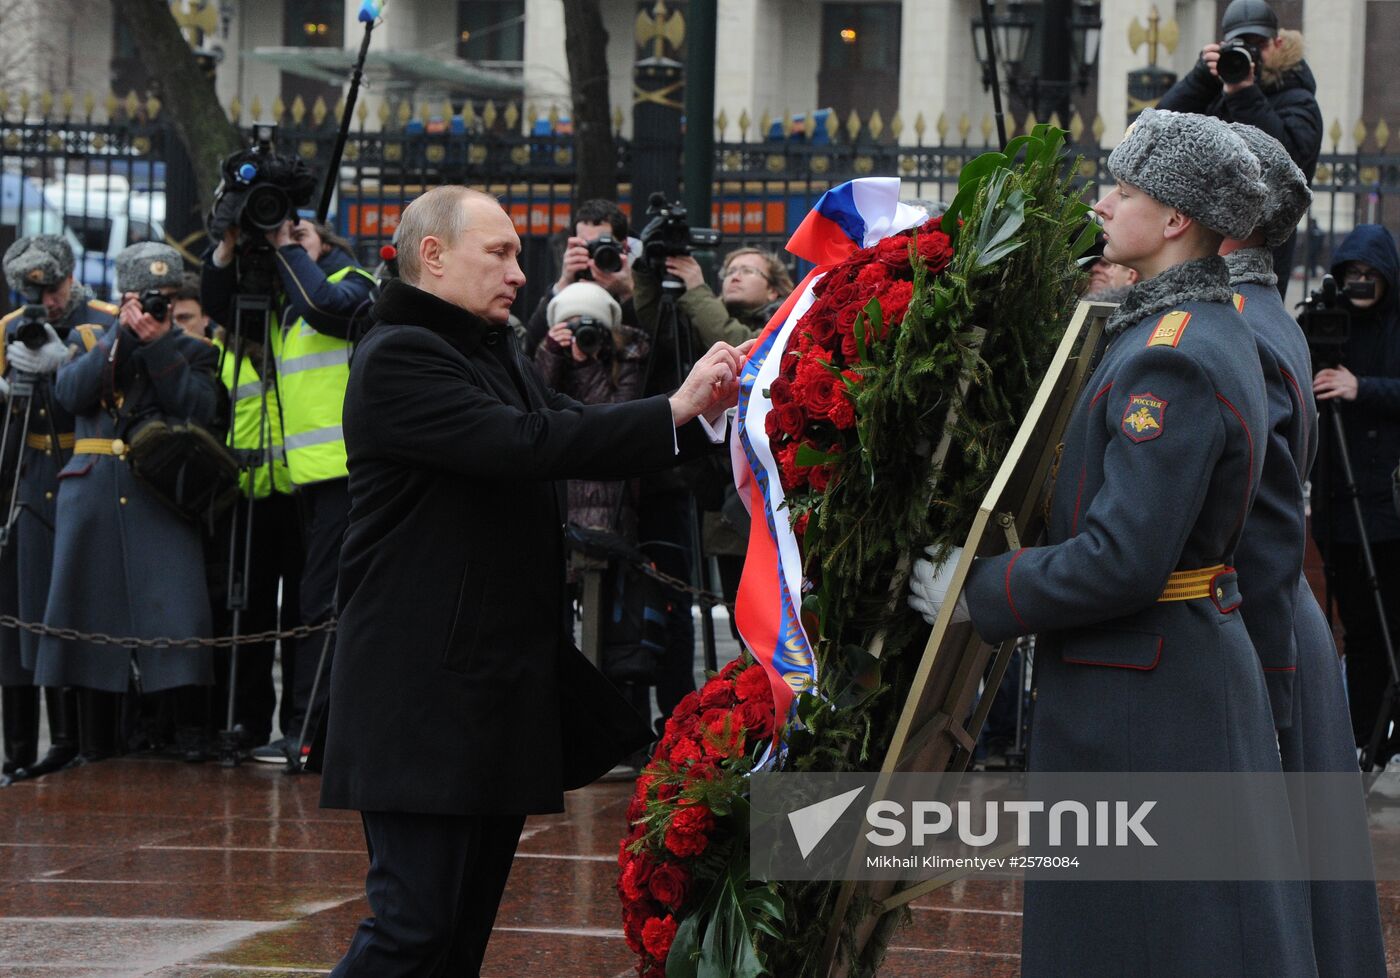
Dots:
{"x": 938, "y": 727}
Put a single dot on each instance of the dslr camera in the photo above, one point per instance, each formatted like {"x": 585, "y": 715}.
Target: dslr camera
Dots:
{"x": 29, "y": 326}
{"x": 1325, "y": 321}
{"x": 606, "y": 253}
{"x": 667, "y": 235}
{"x": 155, "y": 304}
{"x": 590, "y": 335}
{"x": 1237, "y": 59}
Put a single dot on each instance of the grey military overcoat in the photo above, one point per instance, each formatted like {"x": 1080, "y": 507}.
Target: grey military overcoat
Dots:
{"x": 1160, "y": 467}
{"x": 1284, "y": 619}
{"x": 125, "y": 564}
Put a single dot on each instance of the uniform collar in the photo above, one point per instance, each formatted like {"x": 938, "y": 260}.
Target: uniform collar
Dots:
{"x": 401, "y": 303}
{"x": 1251, "y": 266}
{"x": 1200, "y": 280}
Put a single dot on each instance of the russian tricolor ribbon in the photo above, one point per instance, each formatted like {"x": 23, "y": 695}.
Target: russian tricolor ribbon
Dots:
{"x": 847, "y": 218}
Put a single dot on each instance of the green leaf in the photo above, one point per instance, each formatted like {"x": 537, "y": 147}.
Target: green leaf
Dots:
{"x": 1085, "y": 240}
{"x": 683, "y": 958}
{"x": 807, "y": 456}
{"x": 981, "y": 167}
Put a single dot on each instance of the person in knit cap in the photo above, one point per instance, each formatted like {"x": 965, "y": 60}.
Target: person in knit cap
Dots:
{"x": 39, "y": 269}
{"x": 1286, "y": 624}
{"x": 124, "y": 562}
{"x": 1144, "y": 663}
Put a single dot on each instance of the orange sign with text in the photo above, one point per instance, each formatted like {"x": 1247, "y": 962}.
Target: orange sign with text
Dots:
{"x": 374, "y": 220}
{"x": 750, "y": 216}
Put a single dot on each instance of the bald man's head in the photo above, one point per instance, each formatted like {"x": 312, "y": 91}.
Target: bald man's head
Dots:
{"x": 460, "y": 245}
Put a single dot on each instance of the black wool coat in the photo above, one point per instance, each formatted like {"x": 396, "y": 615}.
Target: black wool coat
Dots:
{"x": 456, "y": 688}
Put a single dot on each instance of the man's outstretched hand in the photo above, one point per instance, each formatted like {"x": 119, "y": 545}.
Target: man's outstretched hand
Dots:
{"x": 712, "y": 386}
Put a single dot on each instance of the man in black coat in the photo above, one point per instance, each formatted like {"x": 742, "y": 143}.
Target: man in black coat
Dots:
{"x": 1279, "y": 96}
{"x": 458, "y": 703}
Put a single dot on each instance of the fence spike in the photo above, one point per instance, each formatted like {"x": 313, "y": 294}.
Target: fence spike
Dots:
{"x": 1335, "y": 134}
{"x": 1076, "y": 127}
{"x": 235, "y": 109}
{"x": 1030, "y": 123}
{"x": 110, "y": 104}
{"x": 532, "y": 115}
{"x": 468, "y": 114}
{"x": 298, "y": 110}
{"x": 896, "y": 126}
{"x": 24, "y": 101}
{"x": 1382, "y": 135}
{"x": 744, "y": 122}
{"x": 255, "y": 109}
{"x": 384, "y": 114}
{"x": 876, "y": 125}
{"x": 405, "y": 112}
{"x": 987, "y": 128}
{"x": 1358, "y": 132}
{"x": 66, "y": 102}
{"x": 1055, "y": 120}
{"x": 279, "y": 109}
{"x": 46, "y": 104}
{"x": 787, "y": 123}
{"x": 512, "y": 116}
{"x": 425, "y": 113}
{"x": 152, "y": 108}
{"x": 1098, "y": 128}
{"x": 318, "y": 111}
{"x": 489, "y": 114}
{"x": 853, "y": 125}
{"x": 721, "y": 124}
{"x": 554, "y": 116}
{"x": 89, "y": 104}
{"x": 765, "y": 125}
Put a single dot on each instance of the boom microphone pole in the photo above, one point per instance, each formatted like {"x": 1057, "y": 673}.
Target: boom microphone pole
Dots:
{"x": 369, "y": 15}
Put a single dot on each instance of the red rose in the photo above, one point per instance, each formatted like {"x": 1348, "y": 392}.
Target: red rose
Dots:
{"x": 657, "y": 935}
{"x": 873, "y": 275}
{"x": 935, "y": 250}
{"x": 633, "y": 882}
{"x": 789, "y": 419}
{"x": 843, "y": 414}
{"x": 822, "y": 395}
{"x": 752, "y": 682}
{"x": 730, "y": 668}
{"x": 780, "y": 391}
{"x": 819, "y": 476}
{"x": 668, "y": 884}
{"x": 717, "y": 694}
{"x": 893, "y": 250}
{"x": 848, "y": 347}
{"x": 636, "y": 808}
{"x": 634, "y": 918}
{"x": 756, "y": 717}
{"x": 668, "y": 791}
{"x": 820, "y": 327}
{"x": 624, "y": 854}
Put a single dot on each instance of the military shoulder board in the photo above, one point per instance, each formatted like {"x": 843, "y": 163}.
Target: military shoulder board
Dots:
{"x": 88, "y": 332}
{"x": 102, "y": 306}
{"x": 1169, "y": 329}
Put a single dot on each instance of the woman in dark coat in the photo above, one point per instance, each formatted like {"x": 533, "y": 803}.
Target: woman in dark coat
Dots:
{"x": 125, "y": 563}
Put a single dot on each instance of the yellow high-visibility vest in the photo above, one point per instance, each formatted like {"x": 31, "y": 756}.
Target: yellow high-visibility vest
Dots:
{"x": 312, "y": 371}
{"x": 244, "y": 435}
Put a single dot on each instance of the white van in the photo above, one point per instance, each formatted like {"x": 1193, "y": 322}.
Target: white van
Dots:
{"x": 103, "y": 216}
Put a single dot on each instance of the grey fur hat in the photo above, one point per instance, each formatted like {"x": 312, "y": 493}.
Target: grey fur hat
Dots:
{"x": 1288, "y": 194}
{"x": 149, "y": 265}
{"x": 37, "y": 262}
{"x": 1195, "y": 164}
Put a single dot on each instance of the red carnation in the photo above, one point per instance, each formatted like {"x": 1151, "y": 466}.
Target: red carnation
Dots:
{"x": 793, "y": 477}
{"x": 893, "y": 250}
{"x": 687, "y": 835}
{"x": 724, "y": 738}
{"x": 685, "y": 751}
{"x": 843, "y": 414}
{"x": 668, "y": 884}
{"x": 873, "y": 275}
{"x": 730, "y": 668}
{"x": 752, "y": 682}
{"x": 657, "y": 935}
{"x": 894, "y": 302}
{"x": 799, "y": 525}
{"x": 634, "y": 918}
{"x": 633, "y": 882}
{"x": 819, "y": 476}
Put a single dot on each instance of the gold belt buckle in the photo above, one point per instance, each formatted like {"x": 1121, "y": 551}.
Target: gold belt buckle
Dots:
{"x": 118, "y": 448}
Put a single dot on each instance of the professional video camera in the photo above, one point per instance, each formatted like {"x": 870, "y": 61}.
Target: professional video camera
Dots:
{"x": 1237, "y": 59}
{"x": 29, "y": 326}
{"x": 667, "y": 234}
{"x": 1326, "y": 323}
{"x": 259, "y": 188}
{"x": 590, "y": 335}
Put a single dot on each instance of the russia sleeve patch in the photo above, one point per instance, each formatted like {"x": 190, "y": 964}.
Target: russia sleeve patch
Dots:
{"x": 1145, "y": 417}
{"x": 1169, "y": 329}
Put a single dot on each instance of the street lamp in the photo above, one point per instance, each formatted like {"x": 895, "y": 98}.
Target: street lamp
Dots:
{"x": 1013, "y": 24}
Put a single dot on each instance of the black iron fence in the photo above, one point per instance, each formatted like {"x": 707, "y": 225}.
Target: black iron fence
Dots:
{"x": 106, "y": 184}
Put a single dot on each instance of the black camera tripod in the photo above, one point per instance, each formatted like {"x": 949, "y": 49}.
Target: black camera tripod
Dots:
{"x": 26, "y": 386}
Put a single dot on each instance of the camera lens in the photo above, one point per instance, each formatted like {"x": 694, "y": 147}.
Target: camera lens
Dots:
{"x": 589, "y": 335}
{"x": 1234, "y": 64}
{"x": 265, "y": 208}
{"x": 605, "y": 253}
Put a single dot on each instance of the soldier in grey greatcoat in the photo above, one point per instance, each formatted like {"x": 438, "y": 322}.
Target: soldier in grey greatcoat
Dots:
{"x": 1143, "y": 663}
{"x": 1289, "y": 630}
{"x": 40, "y": 270}
{"x": 124, "y": 563}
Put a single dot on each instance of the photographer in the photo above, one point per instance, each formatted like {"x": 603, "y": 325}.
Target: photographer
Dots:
{"x": 753, "y": 284}
{"x": 320, "y": 294}
{"x": 40, "y": 270}
{"x": 1365, "y": 387}
{"x": 596, "y": 252}
{"x": 124, "y": 562}
{"x": 1273, "y": 89}
{"x": 589, "y": 355}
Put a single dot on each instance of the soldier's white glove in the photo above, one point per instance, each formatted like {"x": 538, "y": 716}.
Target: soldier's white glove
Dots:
{"x": 929, "y": 583}
{"x": 45, "y": 360}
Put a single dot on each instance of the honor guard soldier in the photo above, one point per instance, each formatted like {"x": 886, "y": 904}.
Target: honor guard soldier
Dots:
{"x": 40, "y": 270}
{"x": 1285, "y": 622}
{"x": 1144, "y": 663}
{"x": 125, "y": 562}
